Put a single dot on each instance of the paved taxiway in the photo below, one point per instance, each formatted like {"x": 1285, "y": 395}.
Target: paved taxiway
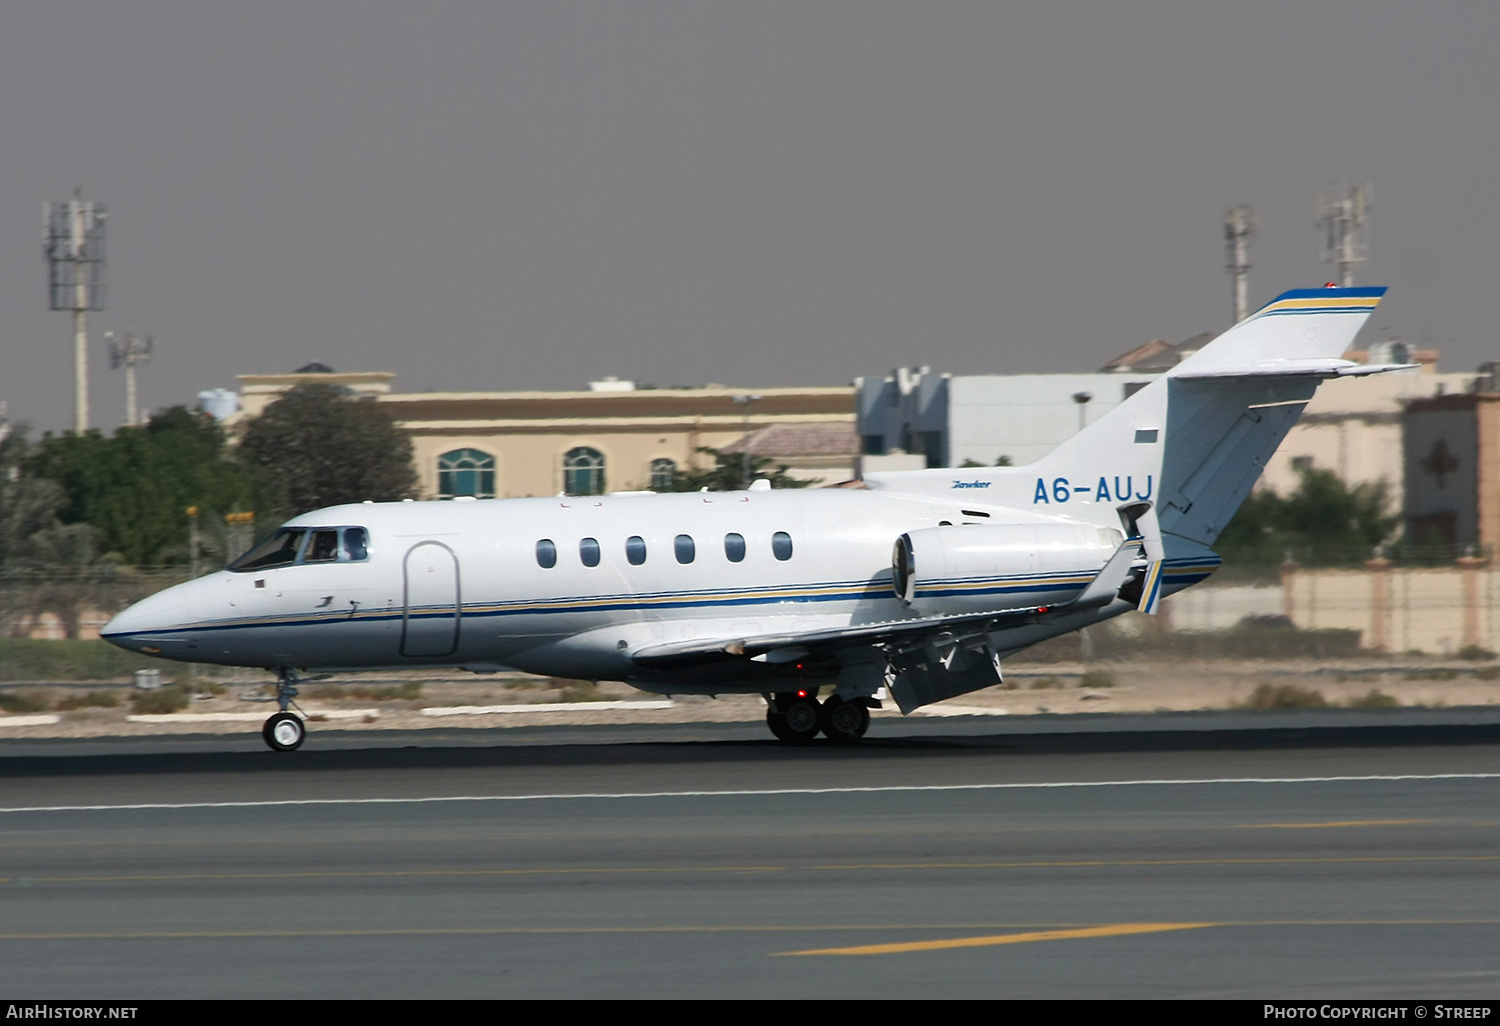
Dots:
{"x": 1326, "y": 856}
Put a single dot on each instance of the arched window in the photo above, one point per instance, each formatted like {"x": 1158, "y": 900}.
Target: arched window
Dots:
{"x": 734, "y": 547}
{"x": 635, "y": 549}
{"x": 683, "y": 546}
{"x": 466, "y": 472}
{"x": 583, "y": 471}
{"x": 663, "y": 473}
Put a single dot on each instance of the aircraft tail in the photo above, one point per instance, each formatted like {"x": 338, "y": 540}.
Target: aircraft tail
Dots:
{"x": 1193, "y": 442}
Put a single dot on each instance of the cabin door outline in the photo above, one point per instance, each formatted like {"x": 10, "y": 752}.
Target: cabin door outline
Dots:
{"x": 433, "y": 606}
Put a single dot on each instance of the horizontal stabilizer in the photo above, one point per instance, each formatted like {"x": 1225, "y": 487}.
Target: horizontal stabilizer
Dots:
{"x": 1297, "y": 368}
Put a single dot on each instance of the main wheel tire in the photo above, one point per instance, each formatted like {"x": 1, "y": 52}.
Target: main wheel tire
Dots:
{"x": 802, "y": 715}
{"x": 844, "y": 722}
{"x": 284, "y": 732}
{"x": 777, "y": 722}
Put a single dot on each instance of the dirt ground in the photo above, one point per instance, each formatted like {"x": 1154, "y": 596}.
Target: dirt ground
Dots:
{"x": 391, "y": 701}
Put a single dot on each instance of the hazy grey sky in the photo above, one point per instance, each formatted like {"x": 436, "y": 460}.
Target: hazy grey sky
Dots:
{"x": 490, "y": 195}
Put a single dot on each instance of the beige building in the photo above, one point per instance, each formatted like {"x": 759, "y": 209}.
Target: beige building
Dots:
{"x": 613, "y": 437}
{"x": 1452, "y": 445}
{"x": 1353, "y": 426}
{"x": 257, "y": 391}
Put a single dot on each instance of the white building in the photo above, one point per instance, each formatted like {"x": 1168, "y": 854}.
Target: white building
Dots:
{"x": 1352, "y": 426}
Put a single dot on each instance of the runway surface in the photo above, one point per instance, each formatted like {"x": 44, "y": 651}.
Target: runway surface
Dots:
{"x": 1299, "y": 856}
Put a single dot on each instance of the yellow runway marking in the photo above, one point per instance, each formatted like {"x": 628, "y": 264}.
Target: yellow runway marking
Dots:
{"x": 1117, "y": 930}
{"x": 1336, "y": 823}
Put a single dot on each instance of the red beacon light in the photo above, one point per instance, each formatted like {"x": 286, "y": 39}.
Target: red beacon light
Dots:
{"x": 1330, "y": 284}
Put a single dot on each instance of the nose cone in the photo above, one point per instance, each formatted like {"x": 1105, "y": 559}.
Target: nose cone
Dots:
{"x": 157, "y": 625}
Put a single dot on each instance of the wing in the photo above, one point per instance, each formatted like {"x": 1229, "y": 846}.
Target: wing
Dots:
{"x": 788, "y": 647}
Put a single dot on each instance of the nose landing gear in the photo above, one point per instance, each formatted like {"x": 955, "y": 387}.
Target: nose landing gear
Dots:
{"x": 284, "y": 731}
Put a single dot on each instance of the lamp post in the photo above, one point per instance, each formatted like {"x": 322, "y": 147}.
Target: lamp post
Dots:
{"x": 745, "y": 401}
{"x": 1082, "y": 399}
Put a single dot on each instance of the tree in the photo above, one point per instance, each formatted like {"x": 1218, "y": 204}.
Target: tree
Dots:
{"x": 135, "y": 488}
{"x": 29, "y": 503}
{"x": 728, "y": 473}
{"x": 47, "y": 565}
{"x": 1323, "y": 521}
{"x": 318, "y": 446}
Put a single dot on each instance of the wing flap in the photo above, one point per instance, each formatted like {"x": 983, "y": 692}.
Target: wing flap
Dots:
{"x": 687, "y": 652}
{"x": 788, "y": 646}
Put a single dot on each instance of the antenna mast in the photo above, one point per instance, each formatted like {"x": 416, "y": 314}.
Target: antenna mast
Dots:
{"x": 74, "y": 240}
{"x": 127, "y": 351}
{"x": 1239, "y": 227}
{"x": 1342, "y": 214}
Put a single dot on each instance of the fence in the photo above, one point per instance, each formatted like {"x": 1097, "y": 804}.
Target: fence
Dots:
{"x": 62, "y": 602}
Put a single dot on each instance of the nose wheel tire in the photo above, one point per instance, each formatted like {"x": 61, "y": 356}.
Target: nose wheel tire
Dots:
{"x": 284, "y": 732}
{"x": 844, "y": 722}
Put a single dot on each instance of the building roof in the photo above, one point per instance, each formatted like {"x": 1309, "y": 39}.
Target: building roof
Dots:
{"x": 708, "y": 404}
{"x": 786, "y": 440}
{"x": 1158, "y": 355}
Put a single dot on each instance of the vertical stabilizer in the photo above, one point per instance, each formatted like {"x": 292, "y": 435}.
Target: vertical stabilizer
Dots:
{"x": 1192, "y": 443}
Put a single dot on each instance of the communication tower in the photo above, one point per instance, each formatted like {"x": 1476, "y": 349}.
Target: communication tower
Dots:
{"x": 75, "y": 281}
{"x": 1239, "y": 227}
{"x": 1342, "y": 214}
{"x": 127, "y": 351}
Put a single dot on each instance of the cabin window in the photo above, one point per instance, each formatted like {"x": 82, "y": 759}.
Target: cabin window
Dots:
{"x": 635, "y": 549}
{"x": 546, "y": 554}
{"x": 734, "y": 547}
{"x": 280, "y": 549}
{"x": 684, "y": 548}
{"x": 324, "y": 547}
{"x": 583, "y": 471}
{"x": 466, "y": 472}
{"x": 356, "y": 544}
{"x": 588, "y": 551}
{"x": 781, "y": 545}
{"x": 663, "y": 474}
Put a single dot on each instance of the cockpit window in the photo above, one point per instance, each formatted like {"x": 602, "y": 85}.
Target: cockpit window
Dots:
{"x": 356, "y": 544}
{"x": 321, "y": 546}
{"x": 324, "y": 547}
{"x": 280, "y": 549}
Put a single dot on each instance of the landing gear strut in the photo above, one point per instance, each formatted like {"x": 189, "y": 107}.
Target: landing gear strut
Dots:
{"x": 284, "y": 731}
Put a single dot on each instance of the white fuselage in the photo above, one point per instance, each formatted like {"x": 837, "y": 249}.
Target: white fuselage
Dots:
{"x": 462, "y": 583}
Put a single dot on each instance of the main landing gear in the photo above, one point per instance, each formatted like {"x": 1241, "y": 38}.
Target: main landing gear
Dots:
{"x": 284, "y": 731}
{"x": 798, "y": 717}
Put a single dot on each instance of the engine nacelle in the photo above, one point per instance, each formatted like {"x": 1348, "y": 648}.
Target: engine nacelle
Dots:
{"x": 974, "y": 569}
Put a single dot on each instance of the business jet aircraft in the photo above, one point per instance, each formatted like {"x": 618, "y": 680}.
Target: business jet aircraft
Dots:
{"x": 913, "y": 589}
